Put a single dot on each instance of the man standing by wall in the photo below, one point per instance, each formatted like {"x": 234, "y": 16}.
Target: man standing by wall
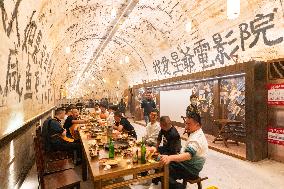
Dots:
{"x": 148, "y": 105}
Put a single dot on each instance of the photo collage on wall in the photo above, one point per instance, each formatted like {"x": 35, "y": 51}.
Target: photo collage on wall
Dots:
{"x": 232, "y": 97}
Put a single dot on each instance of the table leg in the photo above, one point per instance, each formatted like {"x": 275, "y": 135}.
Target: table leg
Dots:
{"x": 219, "y": 135}
{"x": 237, "y": 143}
{"x": 135, "y": 176}
{"x": 225, "y": 142}
{"x": 98, "y": 184}
{"x": 84, "y": 168}
{"x": 165, "y": 178}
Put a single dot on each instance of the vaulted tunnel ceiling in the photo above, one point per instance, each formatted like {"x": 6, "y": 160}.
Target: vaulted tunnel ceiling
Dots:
{"x": 109, "y": 54}
{"x": 99, "y": 43}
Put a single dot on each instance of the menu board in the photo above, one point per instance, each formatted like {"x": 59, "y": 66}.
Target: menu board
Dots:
{"x": 275, "y": 94}
{"x": 276, "y": 135}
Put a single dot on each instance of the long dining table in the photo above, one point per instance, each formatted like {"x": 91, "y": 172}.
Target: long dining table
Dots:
{"x": 103, "y": 179}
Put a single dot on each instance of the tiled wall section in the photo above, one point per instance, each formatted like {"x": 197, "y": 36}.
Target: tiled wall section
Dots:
{"x": 16, "y": 159}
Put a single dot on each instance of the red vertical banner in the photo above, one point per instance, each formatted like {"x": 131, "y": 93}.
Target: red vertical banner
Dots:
{"x": 276, "y": 136}
{"x": 275, "y": 94}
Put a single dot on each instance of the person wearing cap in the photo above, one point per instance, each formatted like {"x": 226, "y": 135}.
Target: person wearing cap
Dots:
{"x": 190, "y": 161}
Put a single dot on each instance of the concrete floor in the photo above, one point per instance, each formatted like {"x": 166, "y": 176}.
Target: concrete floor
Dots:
{"x": 224, "y": 172}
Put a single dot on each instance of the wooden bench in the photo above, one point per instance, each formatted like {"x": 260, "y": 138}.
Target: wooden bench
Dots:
{"x": 196, "y": 181}
{"x": 56, "y": 164}
{"x": 52, "y": 155}
{"x": 58, "y": 180}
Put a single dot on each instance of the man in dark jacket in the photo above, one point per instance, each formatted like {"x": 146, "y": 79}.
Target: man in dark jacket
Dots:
{"x": 122, "y": 124}
{"x": 55, "y": 136}
{"x": 169, "y": 136}
{"x": 148, "y": 105}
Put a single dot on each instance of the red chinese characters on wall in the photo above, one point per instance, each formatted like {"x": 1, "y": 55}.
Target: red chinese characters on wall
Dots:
{"x": 276, "y": 136}
{"x": 275, "y": 94}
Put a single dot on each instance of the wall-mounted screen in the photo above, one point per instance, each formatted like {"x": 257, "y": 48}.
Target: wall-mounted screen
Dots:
{"x": 174, "y": 103}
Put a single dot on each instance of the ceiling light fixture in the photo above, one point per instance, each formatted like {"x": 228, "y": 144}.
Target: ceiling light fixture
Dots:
{"x": 126, "y": 59}
{"x": 67, "y": 50}
{"x": 188, "y": 26}
{"x": 233, "y": 9}
{"x": 117, "y": 82}
{"x": 104, "y": 80}
{"x": 113, "y": 12}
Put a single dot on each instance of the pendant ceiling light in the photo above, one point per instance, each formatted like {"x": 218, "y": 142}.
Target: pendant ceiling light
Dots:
{"x": 233, "y": 9}
{"x": 126, "y": 59}
{"x": 188, "y": 26}
{"x": 67, "y": 50}
{"x": 113, "y": 12}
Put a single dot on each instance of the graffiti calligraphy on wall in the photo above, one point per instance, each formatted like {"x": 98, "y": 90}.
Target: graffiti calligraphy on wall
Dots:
{"x": 29, "y": 66}
{"x": 224, "y": 46}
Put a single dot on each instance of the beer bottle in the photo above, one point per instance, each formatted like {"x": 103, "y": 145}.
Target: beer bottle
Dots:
{"x": 143, "y": 153}
{"x": 110, "y": 149}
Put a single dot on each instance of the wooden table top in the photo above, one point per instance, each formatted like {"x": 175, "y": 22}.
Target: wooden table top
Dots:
{"x": 123, "y": 168}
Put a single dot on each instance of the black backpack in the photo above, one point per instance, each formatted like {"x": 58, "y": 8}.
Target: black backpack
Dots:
{"x": 45, "y": 134}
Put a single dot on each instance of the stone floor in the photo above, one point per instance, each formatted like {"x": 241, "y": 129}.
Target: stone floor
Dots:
{"x": 224, "y": 172}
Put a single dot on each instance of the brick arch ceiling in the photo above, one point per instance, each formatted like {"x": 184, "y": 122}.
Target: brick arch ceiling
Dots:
{"x": 100, "y": 43}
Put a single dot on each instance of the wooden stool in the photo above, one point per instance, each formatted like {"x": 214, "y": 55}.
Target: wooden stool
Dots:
{"x": 197, "y": 181}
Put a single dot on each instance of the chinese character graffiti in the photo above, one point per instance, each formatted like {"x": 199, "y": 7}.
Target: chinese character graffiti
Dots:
{"x": 13, "y": 76}
{"x": 176, "y": 63}
{"x": 260, "y": 25}
{"x": 165, "y": 63}
{"x": 187, "y": 60}
{"x": 226, "y": 46}
{"x": 201, "y": 50}
{"x": 220, "y": 48}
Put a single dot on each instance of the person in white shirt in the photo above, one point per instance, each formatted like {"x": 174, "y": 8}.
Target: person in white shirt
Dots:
{"x": 111, "y": 110}
{"x": 97, "y": 112}
{"x": 190, "y": 161}
{"x": 152, "y": 129}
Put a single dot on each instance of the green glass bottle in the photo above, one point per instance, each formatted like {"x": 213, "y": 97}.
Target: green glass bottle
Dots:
{"x": 143, "y": 153}
{"x": 110, "y": 149}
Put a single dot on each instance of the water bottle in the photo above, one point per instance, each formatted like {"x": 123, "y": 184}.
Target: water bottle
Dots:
{"x": 111, "y": 149}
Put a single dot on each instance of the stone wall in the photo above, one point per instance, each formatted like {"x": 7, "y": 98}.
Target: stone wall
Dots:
{"x": 17, "y": 156}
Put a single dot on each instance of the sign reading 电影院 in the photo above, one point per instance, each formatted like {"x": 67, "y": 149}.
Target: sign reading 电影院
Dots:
{"x": 221, "y": 49}
{"x": 276, "y": 136}
{"x": 275, "y": 94}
